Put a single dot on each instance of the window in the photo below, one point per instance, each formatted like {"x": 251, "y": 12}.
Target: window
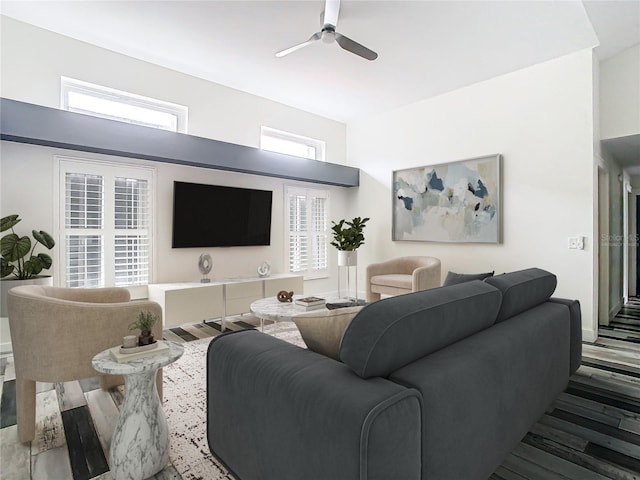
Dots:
{"x": 104, "y": 102}
{"x": 291, "y": 144}
{"x": 307, "y": 224}
{"x": 105, "y": 227}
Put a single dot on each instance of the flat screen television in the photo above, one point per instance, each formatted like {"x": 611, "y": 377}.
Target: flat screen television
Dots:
{"x": 219, "y": 216}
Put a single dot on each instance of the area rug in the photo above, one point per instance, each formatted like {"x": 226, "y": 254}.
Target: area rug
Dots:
{"x": 185, "y": 407}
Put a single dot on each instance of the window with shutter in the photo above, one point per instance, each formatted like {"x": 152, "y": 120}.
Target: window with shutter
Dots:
{"x": 106, "y": 234}
{"x": 307, "y": 231}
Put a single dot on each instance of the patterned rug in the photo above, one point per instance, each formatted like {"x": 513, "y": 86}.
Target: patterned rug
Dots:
{"x": 185, "y": 395}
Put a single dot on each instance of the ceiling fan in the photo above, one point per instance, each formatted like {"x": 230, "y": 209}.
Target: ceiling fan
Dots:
{"x": 328, "y": 34}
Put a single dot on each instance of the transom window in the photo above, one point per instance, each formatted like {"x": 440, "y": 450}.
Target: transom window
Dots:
{"x": 291, "y": 144}
{"x": 90, "y": 99}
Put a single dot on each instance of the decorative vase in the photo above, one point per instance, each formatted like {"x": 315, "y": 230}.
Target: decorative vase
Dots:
{"x": 347, "y": 258}
{"x": 145, "y": 339}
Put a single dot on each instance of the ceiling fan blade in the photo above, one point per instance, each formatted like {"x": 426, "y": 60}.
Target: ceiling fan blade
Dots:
{"x": 331, "y": 12}
{"x": 354, "y": 47}
{"x": 314, "y": 38}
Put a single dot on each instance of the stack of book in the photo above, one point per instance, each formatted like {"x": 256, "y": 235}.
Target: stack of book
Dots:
{"x": 310, "y": 303}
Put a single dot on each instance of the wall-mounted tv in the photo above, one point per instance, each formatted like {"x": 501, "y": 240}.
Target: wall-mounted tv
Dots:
{"x": 219, "y": 216}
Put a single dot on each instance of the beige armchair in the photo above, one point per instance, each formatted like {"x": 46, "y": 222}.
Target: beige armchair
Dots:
{"x": 55, "y": 332}
{"x": 402, "y": 275}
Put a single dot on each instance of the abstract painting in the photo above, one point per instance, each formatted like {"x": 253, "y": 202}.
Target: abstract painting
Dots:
{"x": 451, "y": 202}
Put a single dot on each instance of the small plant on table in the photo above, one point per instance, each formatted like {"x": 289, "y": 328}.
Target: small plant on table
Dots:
{"x": 145, "y": 322}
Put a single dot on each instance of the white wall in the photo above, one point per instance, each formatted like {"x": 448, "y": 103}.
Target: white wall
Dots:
{"x": 620, "y": 94}
{"x": 541, "y": 120}
{"x": 32, "y": 61}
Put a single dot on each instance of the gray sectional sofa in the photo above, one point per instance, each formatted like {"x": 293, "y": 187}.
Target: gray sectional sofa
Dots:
{"x": 435, "y": 385}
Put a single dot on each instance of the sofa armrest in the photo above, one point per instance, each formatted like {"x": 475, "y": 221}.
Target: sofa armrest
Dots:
{"x": 576, "y": 331}
{"x": 275, "y": 410}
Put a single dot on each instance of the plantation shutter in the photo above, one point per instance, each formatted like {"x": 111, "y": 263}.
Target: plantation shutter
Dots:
{"x": 298, "y": 235}
{"x": 319, "y": 232}
{"x": 106, "y": 233}
{"x": 84, "y": 214}
{"x": 132, "y": 238}
{"x": 307, "y": 224}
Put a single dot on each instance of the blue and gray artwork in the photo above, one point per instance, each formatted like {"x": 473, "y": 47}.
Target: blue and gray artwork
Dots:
{"x": 452, "y": 202}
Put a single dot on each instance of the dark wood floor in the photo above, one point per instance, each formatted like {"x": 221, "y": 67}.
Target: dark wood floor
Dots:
{"x": 592, "y": 431}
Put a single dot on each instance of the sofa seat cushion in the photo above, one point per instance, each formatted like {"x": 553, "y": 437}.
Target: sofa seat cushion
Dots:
{"x": 395, "y": 280}
{"x": 322, "y": 329}
{"x": 522, "y": 290}
{"x": 390, "y": 333}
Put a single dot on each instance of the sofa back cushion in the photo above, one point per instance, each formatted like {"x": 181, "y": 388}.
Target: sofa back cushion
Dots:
{"x": 393, "y": 332}
{"x": 522, "y": 290}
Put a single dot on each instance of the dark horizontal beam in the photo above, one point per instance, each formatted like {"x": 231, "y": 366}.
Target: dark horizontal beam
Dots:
{"x": 34, "y": 124}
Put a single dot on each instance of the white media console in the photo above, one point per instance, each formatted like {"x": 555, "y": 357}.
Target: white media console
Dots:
{"x": 190, "y": 302}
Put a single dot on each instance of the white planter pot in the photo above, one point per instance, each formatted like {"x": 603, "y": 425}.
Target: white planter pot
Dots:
{"x": 7, "y": 284}
{"x": 347, "y": 258}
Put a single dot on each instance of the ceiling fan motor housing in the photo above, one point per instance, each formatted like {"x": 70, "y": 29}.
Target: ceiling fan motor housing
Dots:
{"x": 328, "y": 34}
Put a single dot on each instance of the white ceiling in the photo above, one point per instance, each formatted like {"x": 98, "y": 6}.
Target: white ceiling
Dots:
{"x": 425, "y": 48}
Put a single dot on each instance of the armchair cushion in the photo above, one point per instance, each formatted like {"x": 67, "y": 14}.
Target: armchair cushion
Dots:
{"x": 393, "y": 280}
{"x": 322, "y": 329}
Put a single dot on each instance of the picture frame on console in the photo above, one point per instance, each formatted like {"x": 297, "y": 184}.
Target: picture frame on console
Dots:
{"x": 458, "y": 202}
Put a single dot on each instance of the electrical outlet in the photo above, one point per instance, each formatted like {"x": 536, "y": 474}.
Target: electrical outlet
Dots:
{"x": 576, "y": 242}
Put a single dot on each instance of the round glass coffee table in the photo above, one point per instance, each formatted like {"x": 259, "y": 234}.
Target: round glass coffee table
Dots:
{"x": 140, "y": 443}
{"x": 276, "y": 311}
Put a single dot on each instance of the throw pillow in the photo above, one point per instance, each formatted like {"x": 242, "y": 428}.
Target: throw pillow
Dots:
{"x": 322, "y": 330}
{"x": 453, "y": 278}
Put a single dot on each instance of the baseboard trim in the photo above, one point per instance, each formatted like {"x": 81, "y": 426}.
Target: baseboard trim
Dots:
{"x": 589, "y": 335}
{"x": 615, "y": 310}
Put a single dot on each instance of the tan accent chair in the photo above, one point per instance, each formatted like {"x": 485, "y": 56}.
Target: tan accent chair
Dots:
{"x": 55, "y": 332}
{"x": 402, "y": 275}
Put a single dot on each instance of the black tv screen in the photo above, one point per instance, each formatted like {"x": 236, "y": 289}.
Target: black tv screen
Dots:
{"x": 218, "y": 216}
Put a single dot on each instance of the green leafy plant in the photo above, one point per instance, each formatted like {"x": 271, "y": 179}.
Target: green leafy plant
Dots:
{"x": 348, "y": 235}
{"x": 145, "y": 322}
{"x": 18, "y": 252}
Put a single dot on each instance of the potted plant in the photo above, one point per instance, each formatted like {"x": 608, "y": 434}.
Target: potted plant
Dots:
{"x": 347, "y": 238}
{"x": 19, "y": 264}
{"x": 144, "y": 323}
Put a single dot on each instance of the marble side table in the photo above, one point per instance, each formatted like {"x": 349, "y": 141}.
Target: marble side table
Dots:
{"x": 140, "y": 443}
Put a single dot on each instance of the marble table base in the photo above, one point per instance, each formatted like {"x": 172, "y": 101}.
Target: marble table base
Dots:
{"x": 140, "y": 443}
